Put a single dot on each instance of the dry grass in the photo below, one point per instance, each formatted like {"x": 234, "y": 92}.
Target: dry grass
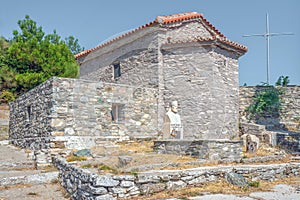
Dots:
{"x": 136, "y": 146}
{"x": 141, "y": 153}
{"x": 48, "y": 168}
{"x": 76, "y": 158}
{"x": 219, "y": 187}
{"x": 143, "y": 158}
{"x": 14, "y": 186}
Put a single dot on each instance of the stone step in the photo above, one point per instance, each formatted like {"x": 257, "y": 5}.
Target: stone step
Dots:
{"x": 9, "y": 165}
{"x": 8, "y": 178}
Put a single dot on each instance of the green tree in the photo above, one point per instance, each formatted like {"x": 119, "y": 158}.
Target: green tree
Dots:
{"x": 73, "y": 45}
{"x": 7, "y": 74}
{"x": 279, "y": 81}
{"x": 285, "y": 81}
{"x": 34, "y": 57}
{"x": 282, "y": 81}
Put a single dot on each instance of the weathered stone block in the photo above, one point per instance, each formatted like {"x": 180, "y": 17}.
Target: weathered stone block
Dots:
{"x": 174, "y": 185}
{"x": 152, "y": 188}
{"x": 96, "y": 190}
{"x": 127, "y": 184}
{"x": 236, "y": 179}
{"x": 105, "y": 181}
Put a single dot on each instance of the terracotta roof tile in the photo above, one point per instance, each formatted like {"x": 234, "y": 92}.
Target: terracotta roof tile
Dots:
{"x": 177, "y": 17}
{"x": 168, "y": 20}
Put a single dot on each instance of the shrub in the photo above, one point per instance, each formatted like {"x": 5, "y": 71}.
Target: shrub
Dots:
{"x": 107, "y": 169}
{"x": 7, "y": 96}
{"x": 267, "y": 101}
{"x": 254, "y": 184}
{"x": 76, "y": 158}
{"x": 86, "y": 166}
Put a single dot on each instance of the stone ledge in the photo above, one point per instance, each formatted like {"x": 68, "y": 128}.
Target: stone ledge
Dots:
{"x": 37, "y": 178}
{"x": 203, "y": 149}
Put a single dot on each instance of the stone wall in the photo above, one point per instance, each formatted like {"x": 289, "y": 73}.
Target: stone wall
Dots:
{"x": 83, "y": 110}
{"x": 30, "y": 118}
{"x": 203, "y": 78}
{"x": 288, "y": 118}
{"x": 138, "y": 67}
{"x": 137, "y": 56}
{"x": 202, "y": 149}
{"x": 186, "y": 31}
{"x": 289, "y": 114}
{"x": 76, "y": 113}
{"x": 205, "y": 83}
{"x": 289, "y": 141}
{"x": 83, "y": 184}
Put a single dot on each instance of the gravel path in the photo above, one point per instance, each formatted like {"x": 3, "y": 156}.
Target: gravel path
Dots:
{"x": 11, "y": 157}
{"x": 32, "y": 192}
{"x": 17, "y": 168}
{"x": 280, "y": 192}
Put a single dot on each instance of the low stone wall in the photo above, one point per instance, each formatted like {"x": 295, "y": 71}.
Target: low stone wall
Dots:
{"x": 289, "y": 141}
{"x": 289, "y": 114}
{"x": 202, "y": 149}
{"x": 83, "y": 184}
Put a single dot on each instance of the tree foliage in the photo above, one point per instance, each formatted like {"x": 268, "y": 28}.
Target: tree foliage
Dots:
{"x": 282, "y": 81}
{"x": 31, "y": 57}
{"x": 73, "y": 45}
{"x": 265, "y": 102}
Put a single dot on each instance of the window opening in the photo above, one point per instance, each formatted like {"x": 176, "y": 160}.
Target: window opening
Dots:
{"x": 117, "y": 70}
{"x": 29, "y": 112}
{"x": 117, "y": 113}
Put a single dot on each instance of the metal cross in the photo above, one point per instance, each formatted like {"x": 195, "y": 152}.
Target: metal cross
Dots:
{"x": 267, "y": 35}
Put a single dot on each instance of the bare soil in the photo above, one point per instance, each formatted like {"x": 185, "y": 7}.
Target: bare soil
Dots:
{"x": 50, "y": 191}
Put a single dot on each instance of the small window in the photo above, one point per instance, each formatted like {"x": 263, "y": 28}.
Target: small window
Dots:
{"x": 29, "y": 113}
{"x": 117, "y": 70}
{"x": 117, "y": 113}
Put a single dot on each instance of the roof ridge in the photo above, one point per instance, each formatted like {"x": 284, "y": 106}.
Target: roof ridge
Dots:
{"x": 177, "y": 17}
{"x": 168, "y": 19}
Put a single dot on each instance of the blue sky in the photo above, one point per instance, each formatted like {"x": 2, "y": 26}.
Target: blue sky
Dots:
{"x": 93, "y": 21}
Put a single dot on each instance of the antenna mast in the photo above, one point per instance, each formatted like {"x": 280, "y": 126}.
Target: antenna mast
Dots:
{"x": 267, "y": 35}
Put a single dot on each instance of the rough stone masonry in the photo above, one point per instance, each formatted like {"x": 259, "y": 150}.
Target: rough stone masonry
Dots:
{"x": 188, "y": 60}
{"x": 76, "y": 113}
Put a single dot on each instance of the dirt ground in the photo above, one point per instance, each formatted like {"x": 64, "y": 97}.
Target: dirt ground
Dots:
{"x": 49, "y": 191}
{"x": 106, "y": 159}
{"x": 142, "y": 158}
{"x": 15, "y": 162}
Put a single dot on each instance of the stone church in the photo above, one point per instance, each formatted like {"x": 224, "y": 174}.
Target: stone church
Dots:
{"x": 126, "y": 86}
{"x": 187, "y": 59}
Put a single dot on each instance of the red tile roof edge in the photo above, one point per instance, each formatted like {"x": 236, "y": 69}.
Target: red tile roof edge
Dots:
{"x": 113, "y": 40}
{"x": 211, "y": 39}
{"x": 167, "y": 20}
